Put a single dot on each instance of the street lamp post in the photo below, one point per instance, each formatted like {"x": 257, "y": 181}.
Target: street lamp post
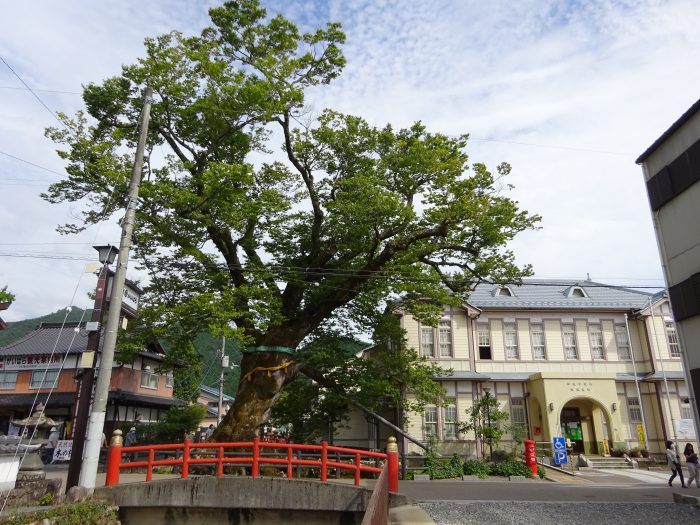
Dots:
{"x": 106, "y": 255}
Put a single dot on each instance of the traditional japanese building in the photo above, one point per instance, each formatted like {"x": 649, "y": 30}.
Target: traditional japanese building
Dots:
{"x": 46, "y": 365}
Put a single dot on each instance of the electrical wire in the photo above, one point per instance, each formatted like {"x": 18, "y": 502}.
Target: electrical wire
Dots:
{"x": 35, "y": 95}
{"x": 31, "y": 163}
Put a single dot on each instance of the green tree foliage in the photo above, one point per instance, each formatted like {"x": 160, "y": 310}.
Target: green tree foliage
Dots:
{"x": 344, "y": 375}
{"x": 318, "y": 234}
{"x": 5, "y": 296}
{"x": 176, "y": 422}
{"x": 487, "y": 421}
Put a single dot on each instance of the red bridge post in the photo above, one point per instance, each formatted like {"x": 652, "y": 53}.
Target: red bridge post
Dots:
{"x": 392, "y": 463}
{"x": 114, "y": 459}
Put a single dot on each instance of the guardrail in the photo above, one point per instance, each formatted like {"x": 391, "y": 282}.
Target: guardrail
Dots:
{"x": 279, "y": 454}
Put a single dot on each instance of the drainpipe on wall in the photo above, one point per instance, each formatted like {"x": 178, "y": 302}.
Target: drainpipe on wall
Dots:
{"x": 663, "y": 373}
{"x": 636, "y": 382}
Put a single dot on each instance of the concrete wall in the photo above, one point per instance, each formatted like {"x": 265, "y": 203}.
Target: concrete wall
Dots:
{"x": 241, "y": 500}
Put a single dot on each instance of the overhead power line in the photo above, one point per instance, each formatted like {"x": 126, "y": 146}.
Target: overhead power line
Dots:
{"x": 296, "y": 271}
{"x": 17, "y": 88}
{"x": 33, "y": 93}
{"x": 31, "y": 163}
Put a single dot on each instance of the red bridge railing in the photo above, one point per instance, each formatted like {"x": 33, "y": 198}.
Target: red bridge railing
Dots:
{"x": 281, "y": 455}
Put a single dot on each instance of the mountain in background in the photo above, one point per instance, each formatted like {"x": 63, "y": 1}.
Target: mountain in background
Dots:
{"x": 19, "y": 329}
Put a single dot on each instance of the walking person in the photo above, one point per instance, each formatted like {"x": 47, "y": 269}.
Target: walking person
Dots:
{"x": 674, "y": 463}
{"x": 691, "y": 460}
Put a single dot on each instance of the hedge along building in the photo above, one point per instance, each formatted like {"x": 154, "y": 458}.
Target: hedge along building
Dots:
{"x": 580, "y": 359}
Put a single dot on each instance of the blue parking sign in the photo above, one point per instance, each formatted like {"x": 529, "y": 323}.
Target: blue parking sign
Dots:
{"x": 559, "y": 448}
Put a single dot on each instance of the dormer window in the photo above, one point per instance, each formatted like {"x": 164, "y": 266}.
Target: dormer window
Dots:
{"x": 576, "y": 291}
{"x": 504, "y": 291}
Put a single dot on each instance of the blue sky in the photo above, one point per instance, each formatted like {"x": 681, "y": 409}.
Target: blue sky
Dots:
{"x": 568, "y": 92}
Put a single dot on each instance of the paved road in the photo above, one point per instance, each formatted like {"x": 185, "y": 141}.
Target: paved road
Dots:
{"x": 536, "y": 491}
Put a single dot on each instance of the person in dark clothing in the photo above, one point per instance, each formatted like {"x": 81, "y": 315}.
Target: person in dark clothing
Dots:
{"x": 674, "y": 463}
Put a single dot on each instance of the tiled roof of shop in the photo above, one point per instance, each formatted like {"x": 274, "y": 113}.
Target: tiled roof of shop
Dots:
{"x": 48, "y": 338}
{"x": 556, "y": 294}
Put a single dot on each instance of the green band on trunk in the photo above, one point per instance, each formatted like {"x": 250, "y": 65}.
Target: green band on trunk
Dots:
{"x": 278, "y": 349}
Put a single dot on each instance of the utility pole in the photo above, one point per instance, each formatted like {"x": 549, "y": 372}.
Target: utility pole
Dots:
{"x": 86, "y": 382}
{"x": 224, "y": 366}
{"x": 99, "y": 405}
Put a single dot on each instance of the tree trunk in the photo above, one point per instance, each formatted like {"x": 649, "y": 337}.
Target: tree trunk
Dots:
{"x": 263, "y": 376}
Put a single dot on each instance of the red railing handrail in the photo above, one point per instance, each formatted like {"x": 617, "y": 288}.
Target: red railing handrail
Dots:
{"x": 255, "y": 460}
{"x": 377, "y": 512}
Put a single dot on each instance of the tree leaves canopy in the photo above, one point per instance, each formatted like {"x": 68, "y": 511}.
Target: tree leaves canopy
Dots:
{"x": 268, "y": 246}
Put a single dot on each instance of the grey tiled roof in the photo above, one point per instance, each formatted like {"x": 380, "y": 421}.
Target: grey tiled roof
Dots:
{"x": 47, "y": 336}
{"x": 549, "y": 294}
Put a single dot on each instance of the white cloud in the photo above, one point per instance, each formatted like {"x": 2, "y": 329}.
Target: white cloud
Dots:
{"x": 594, "y": 77}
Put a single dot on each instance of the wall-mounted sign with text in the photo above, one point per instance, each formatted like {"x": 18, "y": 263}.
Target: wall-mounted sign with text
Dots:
{"x": 130, "y": 297}
{"x": 30, "y": 362}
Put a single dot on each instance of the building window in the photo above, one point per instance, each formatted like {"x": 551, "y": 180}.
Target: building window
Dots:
{"x": 449, "y": 419}
{"x": 570, "y": 349}
{"x": 510, "y": 335}
{"x": 517, "y": 413}
{"x": 538, "y": 350}
{"x": 169, "y": 380}
{"x": 149, "y": 379}
{"x": 430, "y": 421}
{"x": 635, "y": 410}
{"x": 686, "y": 411}
{"x": 484, "y": 337}
{"x": 426, "y": 341}
{"x": 597, "y": 348}
{"x": 39, "y": 380}
{"x": 623, "y": 343}
{"x": 504, "y": 291}
{"x": 445, "y": 335}
{"x": 8, "y": 380}
{"x": 673, "y": 347}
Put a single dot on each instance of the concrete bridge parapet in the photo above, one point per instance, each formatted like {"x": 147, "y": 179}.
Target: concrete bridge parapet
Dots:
{"x": 239, "y": 500}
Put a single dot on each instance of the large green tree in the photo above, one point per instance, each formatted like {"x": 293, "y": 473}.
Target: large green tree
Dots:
{"x": 266, "y": 224}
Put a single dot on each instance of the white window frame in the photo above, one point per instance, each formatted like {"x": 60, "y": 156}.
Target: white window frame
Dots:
{"x": 427, "y": 349}
{"x": 539, "y": 349}
{"x": 510, "y": 341}
{"x": 445, "y": 338}
{"x": 518, "y": 415}
{"x": 686, "y": 411}
{"x": 624, "y": 350}
{"x": 570, "y": 330}
{"x": 449, "y": 419}
{"x": 430, "y": 421}
{"x": 634, "y": 410}
{"x": 149, "y": 380}
{"x": 674, "y": 348}
{"x": 169, "y": 380}
{"x": 483, "y": 335}
{"x": 595, "y": 333}
{"x": 38, "y": 381}
{"x": 8, "y": 384}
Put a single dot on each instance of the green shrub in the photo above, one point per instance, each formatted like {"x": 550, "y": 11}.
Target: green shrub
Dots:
{"x": 511, "y": 467}
{"x": 475, "y": 467}
{"x": 499, "y": 456}
{"x": 619, "y": 452}
{"x": 441, "y": 468}
{"x": 82, "y": 513}
{"x": 176, "y": 422}
{"x": 46, "y": 499}
{"x": 541, "y": 471}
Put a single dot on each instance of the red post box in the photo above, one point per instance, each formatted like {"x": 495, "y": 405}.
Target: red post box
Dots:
{"x": 531, "y": 455}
